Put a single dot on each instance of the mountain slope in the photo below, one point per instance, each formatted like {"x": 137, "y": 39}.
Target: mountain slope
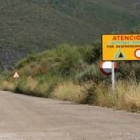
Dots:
{"x": 28, "y": 26}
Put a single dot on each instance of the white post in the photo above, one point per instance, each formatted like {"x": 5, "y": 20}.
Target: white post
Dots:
{"x": 113, "y": 76}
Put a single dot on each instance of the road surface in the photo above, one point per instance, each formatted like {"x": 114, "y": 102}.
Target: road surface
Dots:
{"x": 30, "y": 118}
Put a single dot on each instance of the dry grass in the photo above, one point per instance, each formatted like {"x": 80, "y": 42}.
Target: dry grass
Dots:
{"x": 70, "y": 91}
{"x": 126, "y": 96}
{"x": 31, "y": 84}
{"x": 9, "y": 86}
{"x": 130, "y": 91}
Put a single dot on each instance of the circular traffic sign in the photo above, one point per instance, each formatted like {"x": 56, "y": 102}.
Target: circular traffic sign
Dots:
{"x": 106, "y": 67}
{"x": 137, "y": 53}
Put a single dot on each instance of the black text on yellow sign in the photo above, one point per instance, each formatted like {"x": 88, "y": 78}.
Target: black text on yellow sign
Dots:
{"x": 121, "y": 47}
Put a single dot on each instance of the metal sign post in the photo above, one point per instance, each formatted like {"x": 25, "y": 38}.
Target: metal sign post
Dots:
{"x": 16, "y": 77}
{"x": 109, "y": 68}
{"x": 113, "y": 77}
{"x": 120, "y": 47}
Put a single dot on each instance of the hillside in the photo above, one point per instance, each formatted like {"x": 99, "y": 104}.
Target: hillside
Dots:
{"x": 72, "y": 73}
{"x": 29, "y": 26}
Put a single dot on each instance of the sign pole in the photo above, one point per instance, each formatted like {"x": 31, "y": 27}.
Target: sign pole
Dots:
{"x": 113, "y": 77}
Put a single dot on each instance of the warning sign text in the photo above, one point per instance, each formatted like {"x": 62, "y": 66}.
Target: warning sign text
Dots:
{"x": 120, "y": 47}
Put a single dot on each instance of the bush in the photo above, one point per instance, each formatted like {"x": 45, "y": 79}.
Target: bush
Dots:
{"x": 126, "y": 95}
{"x": 90, "y": 73}
{"x": 128, "y": 70}
{"x": 71, "y": 92}
{"x": 72, "y": 73}
{"x": 91, "y": 54}
{"x": 26, "y": 61}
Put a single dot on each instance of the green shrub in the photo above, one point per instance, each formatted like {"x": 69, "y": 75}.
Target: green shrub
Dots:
{"x": 90, "y": 73}
{"x": 91, "y": 54}
{"x": 26, "y": 61}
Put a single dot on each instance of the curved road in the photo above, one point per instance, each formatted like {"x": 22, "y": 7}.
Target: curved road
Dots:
{"x": 30, "y": 118}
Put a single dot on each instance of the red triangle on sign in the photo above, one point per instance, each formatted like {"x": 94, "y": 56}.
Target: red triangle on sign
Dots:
{"x": 16, "y": 75}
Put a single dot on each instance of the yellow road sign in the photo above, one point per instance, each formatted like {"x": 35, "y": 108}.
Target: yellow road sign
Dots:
{"x": 121, "y": 47}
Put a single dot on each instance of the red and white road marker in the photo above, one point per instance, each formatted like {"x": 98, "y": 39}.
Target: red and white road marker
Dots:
{"x": 109, "y": 68}
{"x": 106, "y": 67}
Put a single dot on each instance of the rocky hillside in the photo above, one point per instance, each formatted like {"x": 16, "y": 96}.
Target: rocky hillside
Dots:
{"x": 29, "y": 26}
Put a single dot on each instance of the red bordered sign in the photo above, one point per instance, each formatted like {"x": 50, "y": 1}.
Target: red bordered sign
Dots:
{"x": 137, "y": 53}
{"x": 106, "y": 67}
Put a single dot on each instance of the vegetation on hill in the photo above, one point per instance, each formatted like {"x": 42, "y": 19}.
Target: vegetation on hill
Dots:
{"x": 68, "y": 72}
{"x": 30, "y": 26}
{"x": 72, "y": 73}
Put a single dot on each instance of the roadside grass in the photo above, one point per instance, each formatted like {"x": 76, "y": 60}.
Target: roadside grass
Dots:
{"x": 125, "y": 96}
{"x": 8, "y": 86}
{"x": 35, "y": 86}
{"x": 70, "y": 91}
{"x": 72, "y": 73}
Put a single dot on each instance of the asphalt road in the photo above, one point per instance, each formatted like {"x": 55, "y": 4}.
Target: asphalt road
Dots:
{"x": 30, "y": 118}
